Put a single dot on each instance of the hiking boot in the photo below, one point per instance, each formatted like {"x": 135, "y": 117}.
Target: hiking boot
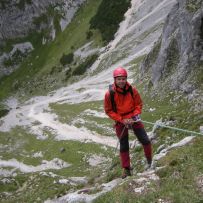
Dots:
{"x": 126, "y": 172}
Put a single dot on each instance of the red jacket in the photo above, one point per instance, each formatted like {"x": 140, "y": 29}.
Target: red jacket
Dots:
{"x": 126, "y": 105}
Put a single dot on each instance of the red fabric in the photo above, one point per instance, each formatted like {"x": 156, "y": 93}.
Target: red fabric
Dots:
{"x": 120, "y": 72}
{"x": 138, "y": 125}
{"x": 125, "y": 159}
{"x": 148, "y": 151}
{"x": 121, "y": 130}
{"x": 127, "y": 106}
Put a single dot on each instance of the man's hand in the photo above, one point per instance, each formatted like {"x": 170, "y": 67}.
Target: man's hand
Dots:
{"x": 128, "y": 121}
{"x": 136, "y": 118}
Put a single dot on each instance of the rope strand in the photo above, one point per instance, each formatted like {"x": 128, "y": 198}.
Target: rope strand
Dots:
{"x": 173, "y": 128}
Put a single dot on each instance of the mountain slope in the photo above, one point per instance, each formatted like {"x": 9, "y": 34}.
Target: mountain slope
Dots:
{"x": 61, "y": 147}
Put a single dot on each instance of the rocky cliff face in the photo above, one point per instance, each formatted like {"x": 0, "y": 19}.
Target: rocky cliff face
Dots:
{"x": 177, "y": 58}
{"x": 18, "y": 19}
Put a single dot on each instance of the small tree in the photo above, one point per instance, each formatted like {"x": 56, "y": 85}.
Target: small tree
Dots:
{"x": 89, "y": 34}
{"x": 66, "y": 59}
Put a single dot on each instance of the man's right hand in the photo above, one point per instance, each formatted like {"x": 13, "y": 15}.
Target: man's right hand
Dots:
{"x": 128, "y": 121}
{"x": 136, "y": 118}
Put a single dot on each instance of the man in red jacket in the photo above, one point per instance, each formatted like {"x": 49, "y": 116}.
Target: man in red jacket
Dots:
{"x": 125, "y": 108}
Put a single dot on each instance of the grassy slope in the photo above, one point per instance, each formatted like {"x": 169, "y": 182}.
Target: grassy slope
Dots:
{"x": 38, "y": 66}
{"x": 21, "y": 145}
{"x": 178, "y": 180}
{"x": 175, "y": 184}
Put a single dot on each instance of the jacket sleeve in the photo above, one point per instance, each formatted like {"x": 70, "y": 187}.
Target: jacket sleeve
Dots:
{"x": 137, "y": 102}
{"x": 109, "y": 110}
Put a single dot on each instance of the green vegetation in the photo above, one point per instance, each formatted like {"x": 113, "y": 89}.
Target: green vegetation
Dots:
{"x": 72, "y": 113}
{"x": 179, "y": 180}
{"x": 172, "y": 59}
{"x": 181, "y": 169}
{"x": 44, "y": 70}
{"x": 56, "y": 15}
{"x": 150, "y": 58}
{"x": 66, "y": 59}
{"x": 193, "y": 5}
{"x": 174, "y": 184}
{"x": 80, "y": 70}
{"x": 3, "y": 4}
{"x": 21, "y": 4}
{"x": 108, "y": 17}
{"x": 16, "y": 59}
{"x": 34, "y": 75}
{"x": 89, "y": 34}
{"x": 3, "y": 110}
{"x": 199, "y": 75}
{"x": 41, "y": 19}
{"x": 28, "y": 187}
{"x": 50, "y": 14}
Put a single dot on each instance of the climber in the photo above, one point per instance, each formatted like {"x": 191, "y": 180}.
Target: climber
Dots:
{"x": 123, "y": 104}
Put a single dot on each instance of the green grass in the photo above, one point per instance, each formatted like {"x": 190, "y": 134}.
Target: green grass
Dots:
{"x": 19, "y": 139}
{"x": 178, "y": 180}
{"x": 178, "y": 162}
{"x": 72, "y": 113}
{"x": 183, "y": 167}
{"x": 21, "y": 145}
{"x": 193, "y": 5}
{"x": 3, "y": 110}
{"x": 82, "y": 68}
{"x": 74, "y": 35}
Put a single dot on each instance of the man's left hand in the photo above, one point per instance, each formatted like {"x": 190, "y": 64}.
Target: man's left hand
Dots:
{"x": 136, "y": 118}
{"x": 128, "y": 121}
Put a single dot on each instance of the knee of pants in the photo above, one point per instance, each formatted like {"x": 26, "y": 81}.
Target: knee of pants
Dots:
{"x": 124, "y": 148}
{"x": 146, "y": 142}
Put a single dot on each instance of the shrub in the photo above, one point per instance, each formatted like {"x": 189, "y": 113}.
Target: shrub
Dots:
{"x": 108, "y": 17}
{"x": 3, "y": 112}
{"x": 40, "y": 19}
{"x": 173, "y": 58}
{"x": 85, "y": 65}
{"x": 89, "y": 34}
{"x": 3, "y": 4}
{"x": 67, "y": 74}
{"x": 193, "y": 5}
{"x": 21, "y": 4}
{"x": 55, "y": 69}
{"x": 16, "y": 59}
{"x": 66, "y": 59}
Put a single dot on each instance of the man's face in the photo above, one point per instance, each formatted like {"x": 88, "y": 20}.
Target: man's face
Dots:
{"x": 121, "y": 81}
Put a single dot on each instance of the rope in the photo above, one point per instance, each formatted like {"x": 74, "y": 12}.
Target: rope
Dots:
{"x": 173, "y": 128}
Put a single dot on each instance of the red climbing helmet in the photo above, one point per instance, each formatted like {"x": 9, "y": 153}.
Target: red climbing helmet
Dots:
{"x": 120, "y": 72}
